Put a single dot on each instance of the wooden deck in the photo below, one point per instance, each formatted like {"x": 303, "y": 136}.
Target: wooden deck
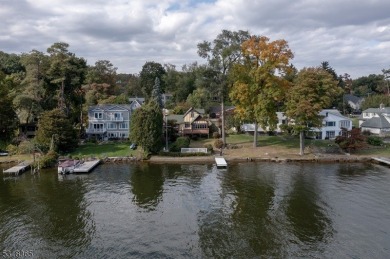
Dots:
{"x": 17, "y": 169}
{"x": 221, "y": 162}
{"x": 383, "y": 160}
{"x": 86, "y": 167}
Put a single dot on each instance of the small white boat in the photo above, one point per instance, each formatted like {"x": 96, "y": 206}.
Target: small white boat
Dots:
{"x": 68, "y": 166}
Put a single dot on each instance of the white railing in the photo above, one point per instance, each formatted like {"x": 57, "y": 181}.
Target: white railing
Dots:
{"x": 115, "y": 119}
{"x": 193, "y": 150}
{"x": 96, "y": 130}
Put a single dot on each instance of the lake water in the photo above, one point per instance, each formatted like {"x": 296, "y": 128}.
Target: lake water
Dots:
{"x": 249, "y": 210}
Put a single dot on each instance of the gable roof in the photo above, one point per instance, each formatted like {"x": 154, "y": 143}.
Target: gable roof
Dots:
{"x": 140, "y": 100}
{"x": 353, "y": 98}
{"x": 200, "y": 111}
{"x": 376, "y": 122}
{"x": 333, "y": 112}
{"x": 109, "y": 107}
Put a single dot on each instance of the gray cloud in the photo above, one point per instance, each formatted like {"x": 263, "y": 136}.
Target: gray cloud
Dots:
{"x": 354, "y": 36}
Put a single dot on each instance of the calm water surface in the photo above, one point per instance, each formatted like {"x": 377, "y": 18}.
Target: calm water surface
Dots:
{"x": 196, "y": 211}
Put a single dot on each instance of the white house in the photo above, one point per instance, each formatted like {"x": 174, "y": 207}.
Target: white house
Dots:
{"x": 250, "y": 127}
{"x": 109, "y": 121}
{"x": 376, "y": 120}
{"x": 332, "y": 123}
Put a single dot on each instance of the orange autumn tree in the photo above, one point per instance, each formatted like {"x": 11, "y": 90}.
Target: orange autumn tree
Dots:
{"x": 259, "y": 86}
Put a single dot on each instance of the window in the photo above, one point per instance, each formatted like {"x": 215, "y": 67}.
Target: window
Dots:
{"x": 200, "y": 126}
{"x": 330, "y": 123}
{"x": 111, "y": 126}
{"x": 187, "y": 125}
{"x": 117, "y": 115}
{"x": 330, "y": 135}
{"x": 123, "y": 125}
{"x": 98, "y": 127}
{"x": 98, "y": 115}
{"x": 345, "y": 124}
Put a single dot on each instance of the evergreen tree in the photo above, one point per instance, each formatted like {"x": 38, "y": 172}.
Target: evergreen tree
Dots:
{"x": 147, "y": 127}
{"x": 54, "y": 127}
{"x": 148, "y": 74}
{"x": 157, "y": 93}
{"x": 8, "y": 117}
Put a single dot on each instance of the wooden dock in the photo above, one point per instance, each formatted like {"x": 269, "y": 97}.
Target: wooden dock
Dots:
{"x": 221, "y": 162}
{"x": 17, "y": 169}
{"x": 86, "y": 167}
{"x": 383, "y": 160}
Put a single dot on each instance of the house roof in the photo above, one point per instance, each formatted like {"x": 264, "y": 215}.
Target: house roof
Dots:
{"x": 217, "y": 109}
{"x": 108, "y": 107}
{"x": 179, "y": 118}
{"x": 333, "y": 112}
{"x": 200, "y": 111}
{"x": 376, "y": 122}
{"x": 353, "y": 98}
{"x": 140, "y": 100}
{"x": 377, "y": 110}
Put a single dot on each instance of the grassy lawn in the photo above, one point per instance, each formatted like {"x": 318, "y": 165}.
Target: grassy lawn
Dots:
{"x": 374, "y": 152}
{"x": 25, "y": 157}
{"x": 115, "y": 149}
{"x": 264, "y": 140}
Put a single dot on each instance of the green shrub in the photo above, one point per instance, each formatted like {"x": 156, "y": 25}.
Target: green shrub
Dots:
{"x": 25, "y": 147}
{"x": 209, "y": 147}
{"x": 374, "y": 140}
{"x": 216, "y": 135}
{"x": 12, "y": 149}
{"x": 49, "y": 160}
{"x": 181, "y": 142}
{"x": 366, "y": 133}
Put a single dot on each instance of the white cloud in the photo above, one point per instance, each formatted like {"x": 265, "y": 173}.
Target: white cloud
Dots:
{"x": 352, "y": 35}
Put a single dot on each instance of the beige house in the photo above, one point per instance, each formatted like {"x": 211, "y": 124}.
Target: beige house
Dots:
{"x": 193, "y": 122}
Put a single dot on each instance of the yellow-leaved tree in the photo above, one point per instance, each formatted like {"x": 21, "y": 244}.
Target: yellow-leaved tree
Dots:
{"x": 259, "y": 86}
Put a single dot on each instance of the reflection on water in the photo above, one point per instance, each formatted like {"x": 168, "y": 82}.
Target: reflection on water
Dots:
{"x": 147, "y": 187}
{"x": 249, "y": 210}
{"x": 306, "y": 212}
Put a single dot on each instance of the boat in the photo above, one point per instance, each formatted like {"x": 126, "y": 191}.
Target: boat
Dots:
{"x": 67, "y": 166}
{"x": 3, "y": 153}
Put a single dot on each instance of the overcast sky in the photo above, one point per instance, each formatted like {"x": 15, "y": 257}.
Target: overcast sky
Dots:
{"x": 352, "y": 35}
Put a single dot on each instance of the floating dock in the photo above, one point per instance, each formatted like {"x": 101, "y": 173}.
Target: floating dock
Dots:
{"x": 382, "y": 160}
{"x": 17, "y": 169}
{"x": 221, "y": 162}
{"x": 86, "y": 167}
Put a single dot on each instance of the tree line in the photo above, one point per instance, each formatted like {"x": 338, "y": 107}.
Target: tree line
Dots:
{"x": 249, "y": 71}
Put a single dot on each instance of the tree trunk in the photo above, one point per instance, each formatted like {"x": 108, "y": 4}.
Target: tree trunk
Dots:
{"x": 255, "y": 135}
{"x": 301, "y": 143}
{"x": 223, "y": 123}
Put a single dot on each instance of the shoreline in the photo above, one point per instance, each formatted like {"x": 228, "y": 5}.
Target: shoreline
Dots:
{"x": 231, "y": 159}
{"x": 309, "y": 158}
